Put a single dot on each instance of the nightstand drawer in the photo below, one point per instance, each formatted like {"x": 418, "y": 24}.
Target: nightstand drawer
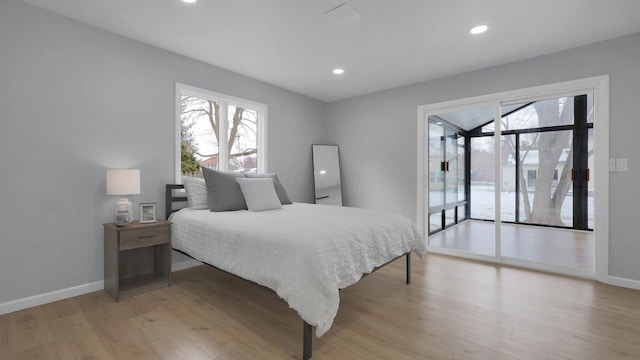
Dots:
{"x": 136, "y": 238}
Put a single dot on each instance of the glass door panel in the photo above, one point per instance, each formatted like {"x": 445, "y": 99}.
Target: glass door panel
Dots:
{"x": 548, "y": 141}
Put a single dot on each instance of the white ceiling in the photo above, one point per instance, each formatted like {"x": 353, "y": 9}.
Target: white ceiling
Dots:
{"x": 289, "y": 43}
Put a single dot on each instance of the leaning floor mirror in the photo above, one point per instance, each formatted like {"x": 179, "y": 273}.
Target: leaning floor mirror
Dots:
{"x": 326, "y": 174}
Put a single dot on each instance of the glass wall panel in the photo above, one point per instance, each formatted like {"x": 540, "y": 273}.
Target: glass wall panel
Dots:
{"x": 509, "y": 179}
{"x": 546, "y": 160}
{"x": 451, "y": 167}
{"x": 461, "y": 175}
{"x": 543, "y": 113}
{"x": 436, "y": 157}
{"x": 450, "y": 217}
{"x": 461, "y": 215}
{"x": 435, "y": 222}
{"x": 482, "y": 198}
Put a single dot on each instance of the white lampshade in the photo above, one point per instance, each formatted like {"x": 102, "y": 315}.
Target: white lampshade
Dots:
{"x": 123, "y": 181}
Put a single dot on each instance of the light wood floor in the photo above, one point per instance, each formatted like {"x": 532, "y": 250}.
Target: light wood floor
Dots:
{"x": 560, "y": 247}
{"x": 455, "y": 309}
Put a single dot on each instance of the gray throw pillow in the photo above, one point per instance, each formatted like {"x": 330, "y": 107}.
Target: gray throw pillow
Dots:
{"x": 280, "y": 191}
{"x": 224, "y": 191}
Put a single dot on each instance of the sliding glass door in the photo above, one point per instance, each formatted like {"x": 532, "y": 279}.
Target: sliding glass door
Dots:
{"x": 513, "y": 181}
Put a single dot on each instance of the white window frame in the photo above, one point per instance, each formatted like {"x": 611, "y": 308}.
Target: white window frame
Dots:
{"x": 224, "y": 101}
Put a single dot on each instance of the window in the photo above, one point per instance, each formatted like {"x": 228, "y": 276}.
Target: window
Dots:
{"x": 219, "y": 132}
{"x": 531, "y": 177}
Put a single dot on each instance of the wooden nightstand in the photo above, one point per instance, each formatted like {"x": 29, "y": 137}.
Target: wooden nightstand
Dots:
{"x": 137, "y": 258}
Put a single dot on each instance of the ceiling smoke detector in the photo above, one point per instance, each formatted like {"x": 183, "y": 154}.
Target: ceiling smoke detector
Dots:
{"x": 342, "y": 15}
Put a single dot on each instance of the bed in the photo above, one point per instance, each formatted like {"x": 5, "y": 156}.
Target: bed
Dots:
{"x": 304, "y": 253}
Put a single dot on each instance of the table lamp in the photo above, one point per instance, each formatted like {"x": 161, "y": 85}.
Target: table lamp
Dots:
{"x": 123, "y": 182}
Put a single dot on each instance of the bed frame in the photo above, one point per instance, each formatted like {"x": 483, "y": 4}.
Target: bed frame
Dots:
{"x": 171, "y": 199}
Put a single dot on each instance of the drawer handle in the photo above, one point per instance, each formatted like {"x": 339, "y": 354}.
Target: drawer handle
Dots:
{"x": 145, "y": 236}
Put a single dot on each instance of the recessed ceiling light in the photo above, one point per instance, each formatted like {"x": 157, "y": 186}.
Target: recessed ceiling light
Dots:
{"x": 338, "y": 71}
{"x": 189, "y": 1}
{"x": 479, "y": 29}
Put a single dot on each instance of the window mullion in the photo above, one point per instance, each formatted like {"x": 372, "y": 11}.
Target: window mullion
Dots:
{"x": 223, "y": 152}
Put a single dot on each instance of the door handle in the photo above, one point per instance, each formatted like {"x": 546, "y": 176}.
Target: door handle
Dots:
{"x": 573, "y": 175}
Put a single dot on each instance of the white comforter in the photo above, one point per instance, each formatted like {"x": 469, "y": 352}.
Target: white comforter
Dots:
{"x": 303, "y": 252}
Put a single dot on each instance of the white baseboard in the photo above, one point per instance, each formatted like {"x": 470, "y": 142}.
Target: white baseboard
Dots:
{"x": 624, "y": 282}
{"x": 41, "y": 299}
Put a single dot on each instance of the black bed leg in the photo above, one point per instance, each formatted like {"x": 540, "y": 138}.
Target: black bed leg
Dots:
{"x": 408, "y": 268}
{"x": 306, "y": 341}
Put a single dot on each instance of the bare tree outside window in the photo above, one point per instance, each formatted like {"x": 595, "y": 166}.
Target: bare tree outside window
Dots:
{"x": 201, "y": 136}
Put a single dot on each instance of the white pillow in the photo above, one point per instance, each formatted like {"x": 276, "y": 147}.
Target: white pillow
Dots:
{"x": 196, "y": 190}
{"x": 259, "y": 194}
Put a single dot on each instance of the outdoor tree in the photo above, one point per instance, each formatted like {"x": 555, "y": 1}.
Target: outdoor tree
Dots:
{"x": 201, "y": 131}
{"x": 547, "y": 200}
{"x": 547, "y": 197}
{"x": 189, "y": 164}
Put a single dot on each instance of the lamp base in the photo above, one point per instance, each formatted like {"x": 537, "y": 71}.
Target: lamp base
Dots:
{"x": 123, "y": 215}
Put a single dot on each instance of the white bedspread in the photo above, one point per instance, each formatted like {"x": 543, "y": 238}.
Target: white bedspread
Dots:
{"x": 303, "y": 252}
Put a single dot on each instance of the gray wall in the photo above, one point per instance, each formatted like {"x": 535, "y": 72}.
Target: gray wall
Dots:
{"x": 377, "y": 133}
{"x": 74, "y": 101}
